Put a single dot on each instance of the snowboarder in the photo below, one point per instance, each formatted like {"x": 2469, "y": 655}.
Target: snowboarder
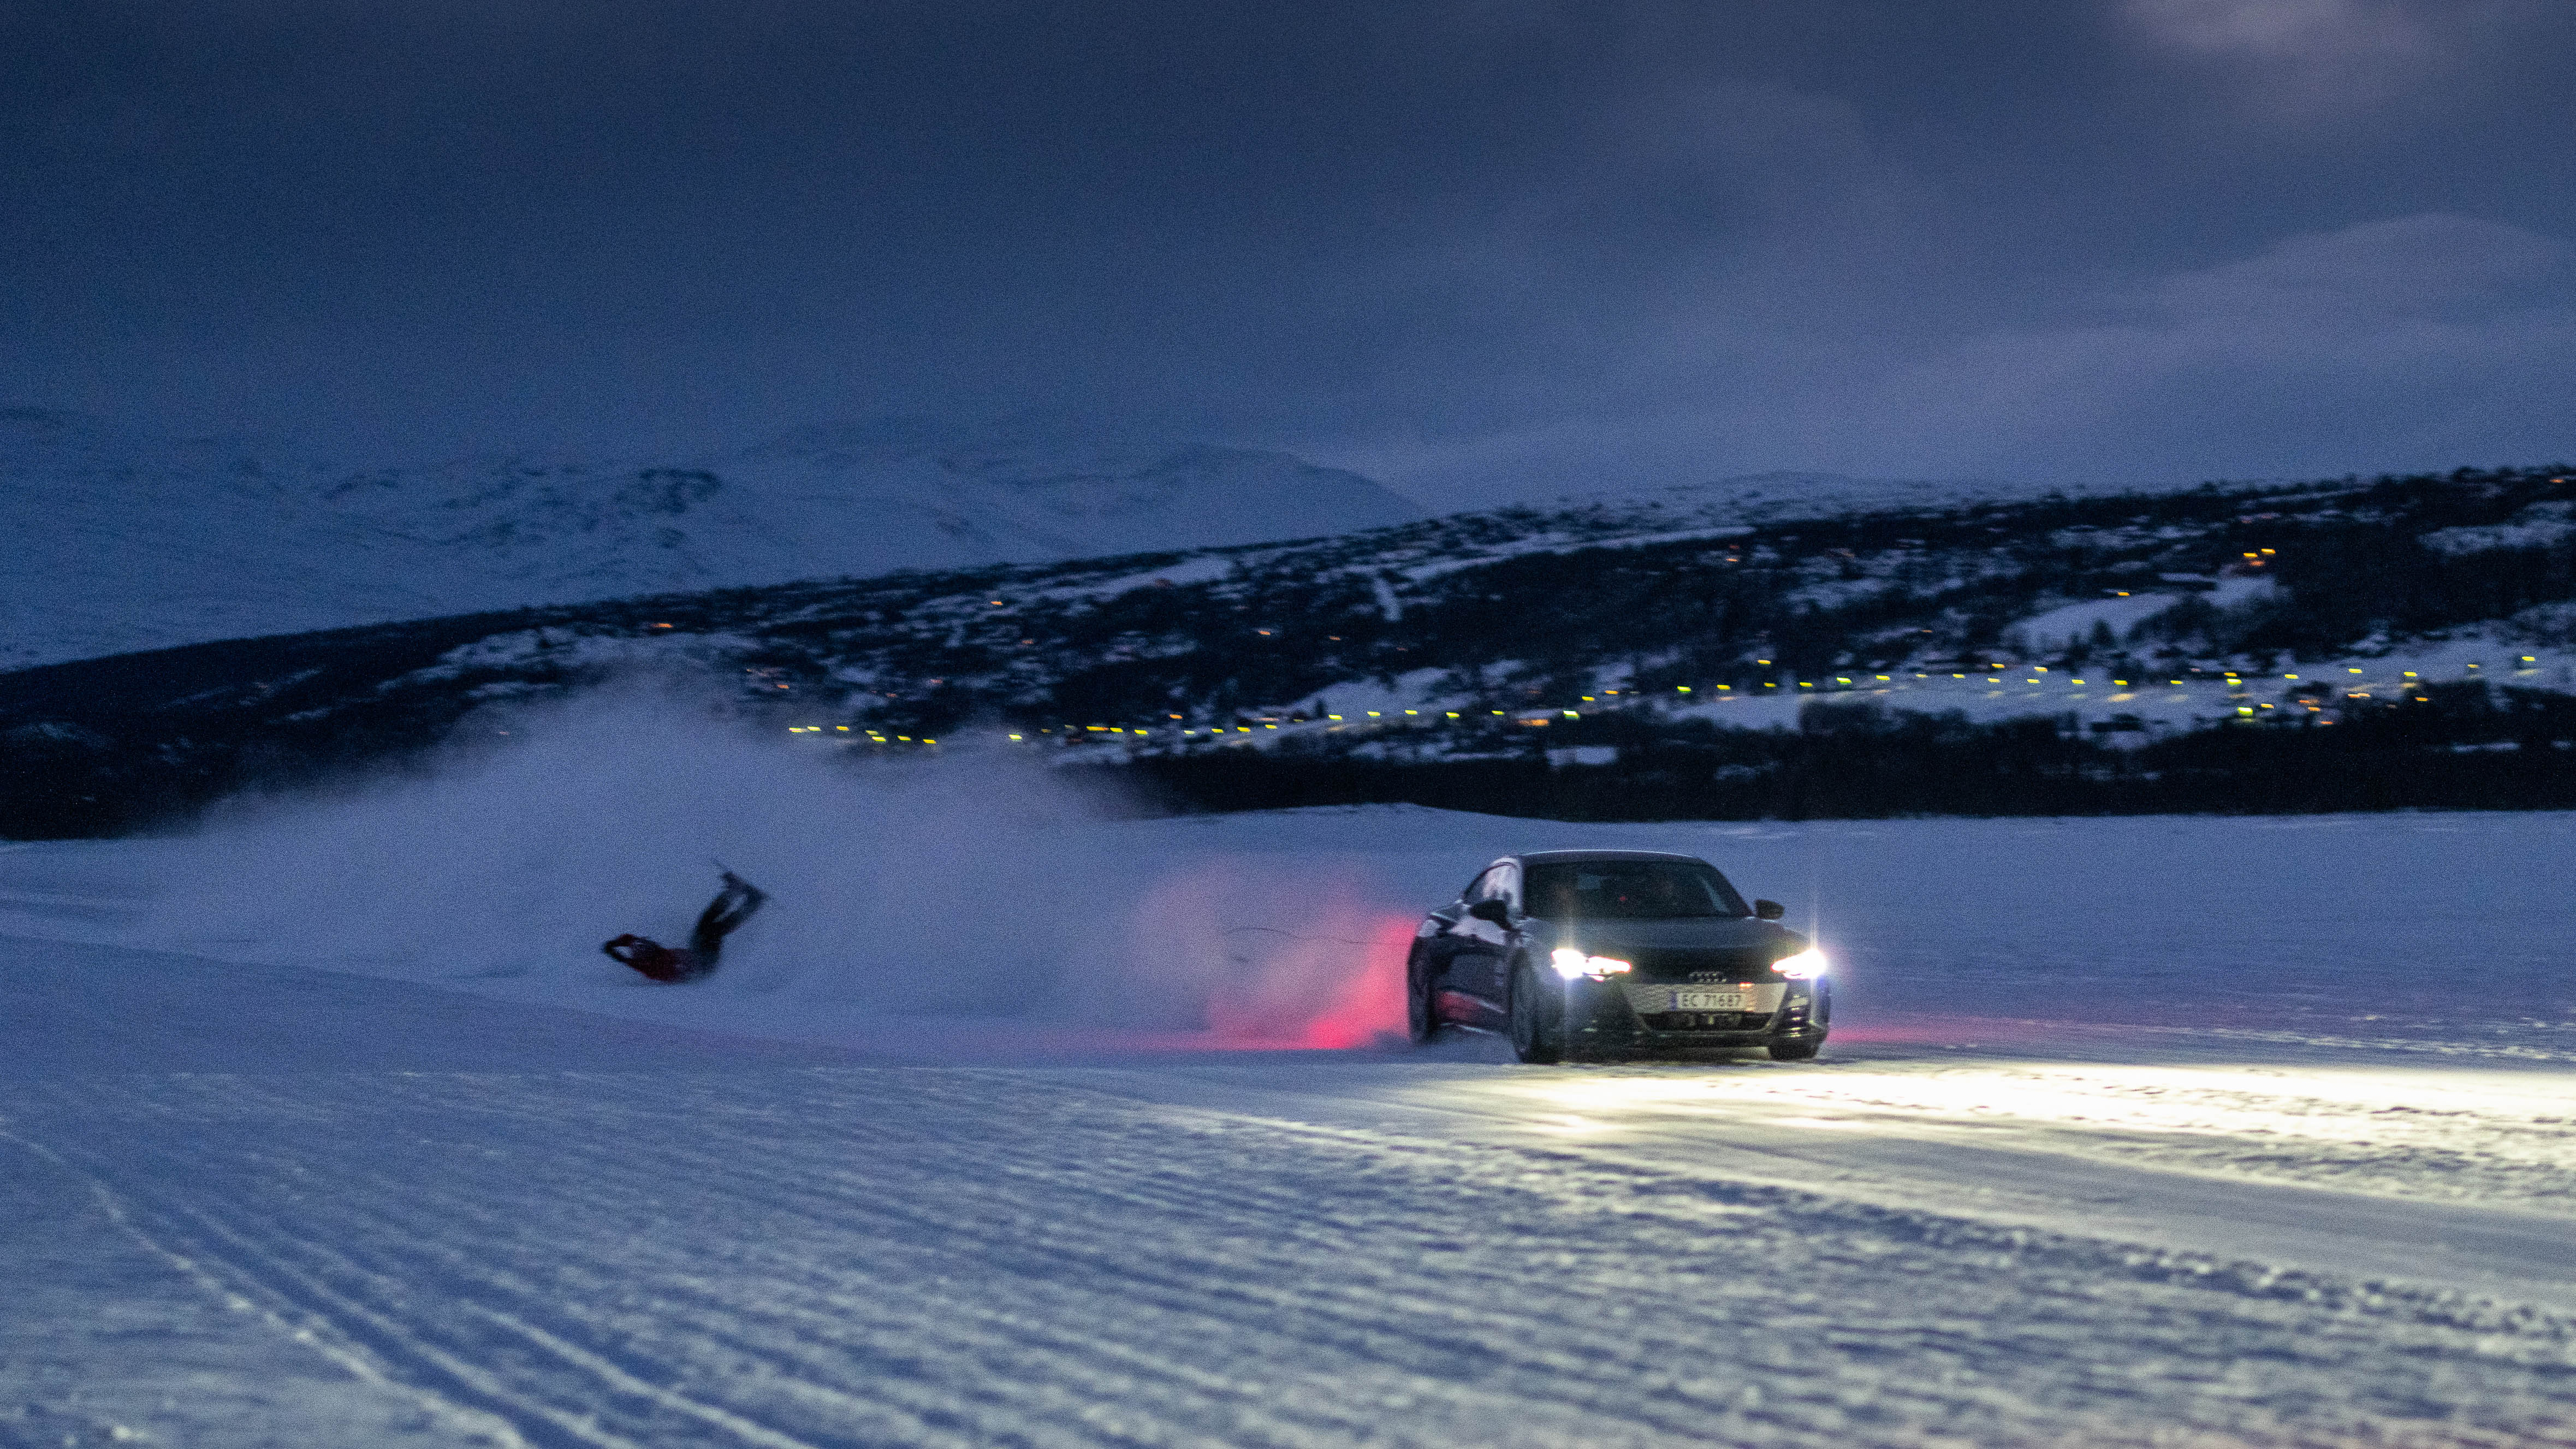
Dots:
{"x": 732, "y": 906}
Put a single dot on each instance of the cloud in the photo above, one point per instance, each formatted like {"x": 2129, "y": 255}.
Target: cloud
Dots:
{"x": 2409, "y": 342}
{"x": 2417, "y": 341}
{"x": 2310, "y": 57}
{"x": 1492, "y": 247}
{"x": 2375, "y": 274}
{"x": 2288, "y": 28}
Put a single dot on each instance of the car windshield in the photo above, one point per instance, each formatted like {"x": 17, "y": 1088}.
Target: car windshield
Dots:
{"x": 1630, "y": 890}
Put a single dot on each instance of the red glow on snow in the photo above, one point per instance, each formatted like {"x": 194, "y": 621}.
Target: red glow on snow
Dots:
{"x": 1340, "y": 988}
{"x": 1369, "y": 1004}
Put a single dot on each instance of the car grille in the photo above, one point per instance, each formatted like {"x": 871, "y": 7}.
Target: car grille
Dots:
{"x": 1706, "y": 1020}
{"x": 1752, "y": 964}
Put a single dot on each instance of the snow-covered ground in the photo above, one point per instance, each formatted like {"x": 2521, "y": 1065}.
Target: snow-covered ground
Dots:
{"x": 329, "y": 1125}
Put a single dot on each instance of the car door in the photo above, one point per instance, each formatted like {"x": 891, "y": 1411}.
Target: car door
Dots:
{"x": 1451, "y": 953}
{"x": 1440, "y": 940}
{"x": 1484, "y": 948}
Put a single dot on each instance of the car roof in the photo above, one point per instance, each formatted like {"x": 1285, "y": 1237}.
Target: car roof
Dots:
{"x": 1559, "y": 857}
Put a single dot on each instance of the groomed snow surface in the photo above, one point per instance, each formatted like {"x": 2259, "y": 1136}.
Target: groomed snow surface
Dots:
{"x": 1006, "y": 1125}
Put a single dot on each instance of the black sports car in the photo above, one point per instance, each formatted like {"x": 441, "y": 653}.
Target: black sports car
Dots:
{"x": 1575, "y": 950}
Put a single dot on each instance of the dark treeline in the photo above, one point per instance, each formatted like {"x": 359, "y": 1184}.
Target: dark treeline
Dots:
{"x": 135, "y": 742}
{"x": 2466, "y": 748}
{"x": 2460, "y": 746}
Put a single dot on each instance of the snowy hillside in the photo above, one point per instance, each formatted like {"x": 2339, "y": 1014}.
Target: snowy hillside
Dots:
{"x": 331, "y": 1126}
{"x": 2335, "y": 645}
{"x": 122, "y": 542}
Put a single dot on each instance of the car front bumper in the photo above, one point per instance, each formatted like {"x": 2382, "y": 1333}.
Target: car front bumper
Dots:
{"x": 1617, "y": 1013}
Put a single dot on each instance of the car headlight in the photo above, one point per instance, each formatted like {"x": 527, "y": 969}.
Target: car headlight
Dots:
{"x": 1571, "y": 963}
{"x": 1807, "y": 965}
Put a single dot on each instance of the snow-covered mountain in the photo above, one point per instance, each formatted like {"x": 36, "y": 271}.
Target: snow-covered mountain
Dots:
{"x": 121, "y": 541}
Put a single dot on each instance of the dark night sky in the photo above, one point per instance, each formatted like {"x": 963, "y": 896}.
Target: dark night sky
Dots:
{"x": 1476, "y": 249}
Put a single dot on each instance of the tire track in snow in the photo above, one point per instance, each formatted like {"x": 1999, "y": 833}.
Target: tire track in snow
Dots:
{"x": 342, "y": 1297}
{"x": 965, "y": 1257}
{"x": 328, "y": 1292}
{"x": 396, "y": 1350}
{"x": 219, "y": 1277}
{"x": 1069, "y": 1350}
{"x": 1358, "y": 1324}
{"x": 1354, "y": 1312}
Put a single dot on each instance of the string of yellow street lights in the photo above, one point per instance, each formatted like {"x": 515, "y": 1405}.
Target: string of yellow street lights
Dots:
{"x": 2236, "y": 682}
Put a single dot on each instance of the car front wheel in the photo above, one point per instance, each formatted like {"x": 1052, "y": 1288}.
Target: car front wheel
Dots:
{"x": 1538, "y": 1018}
{"x": 1797, "y": 1051}
{"x": 1421, "y": 1012}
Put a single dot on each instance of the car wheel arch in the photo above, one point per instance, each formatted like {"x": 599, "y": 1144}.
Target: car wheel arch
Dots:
{"x": 1538, "y": 1036}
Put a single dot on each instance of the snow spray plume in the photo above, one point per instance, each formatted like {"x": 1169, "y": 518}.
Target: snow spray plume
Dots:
{"x": 977, "y": 885}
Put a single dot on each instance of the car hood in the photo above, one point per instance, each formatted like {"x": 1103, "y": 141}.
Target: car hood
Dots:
{"x": 1692, "y": 933}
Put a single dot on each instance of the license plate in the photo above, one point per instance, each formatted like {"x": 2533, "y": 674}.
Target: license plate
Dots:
{"x": 1712, "y": 1001}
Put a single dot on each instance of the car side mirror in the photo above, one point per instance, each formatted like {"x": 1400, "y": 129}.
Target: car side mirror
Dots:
{"x": 1490, "y": 909}
{"x": 1769, "y": 910}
